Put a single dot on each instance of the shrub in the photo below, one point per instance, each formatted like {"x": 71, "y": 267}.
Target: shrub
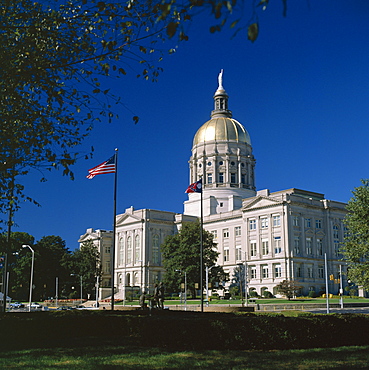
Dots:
{"x": 312, "y": 294}
{"x": 267, "y": 294}
{"x": 253, "y": 294}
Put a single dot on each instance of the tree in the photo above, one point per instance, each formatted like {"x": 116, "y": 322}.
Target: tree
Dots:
{"x": 51, "y": 255}
{"x": 56, "y": 57}
{"x": 288, "y": 288}
{"x": 181, "y": 253}
{"x": 17, "y": 266}
{"x": 356, "y": 245}
{"x": 238, "y": 281}
{"x": 85, "y": 262}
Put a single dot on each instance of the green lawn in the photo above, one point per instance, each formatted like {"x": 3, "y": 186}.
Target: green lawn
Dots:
{"x": 170, "y": 302}
{"x": 126, "y": 357}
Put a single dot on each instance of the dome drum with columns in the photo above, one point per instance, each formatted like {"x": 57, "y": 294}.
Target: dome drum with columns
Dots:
{"x": 222, "y": 157}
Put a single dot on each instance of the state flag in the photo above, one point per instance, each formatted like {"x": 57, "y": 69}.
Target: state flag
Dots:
{"x": 196, "y": 187}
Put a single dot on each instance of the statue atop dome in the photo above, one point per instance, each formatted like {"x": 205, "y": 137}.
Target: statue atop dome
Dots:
{"x": 220, "y": 80}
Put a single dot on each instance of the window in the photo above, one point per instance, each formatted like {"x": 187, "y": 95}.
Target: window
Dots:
{"x": 107, "y": 267}
{"x": 233, "y": 178}
{"x": 264, "y": 222}
{"x": 107, "y": 250}
{"x": 215, "y": 234}
{"x": 277, "y": 271}
{"x": 276, "y": 220}
{"x": 265, "y": 246}
{"x": 252, "y": 225}
{"x": 121, "y": 251}
{"x": 308, "y": 246}
{"x": 243, "y": 179}
{"x": 253, "y": 249}
{"x": 253, "y": 272}
{"x": 237, "y": 231}
{"x": 210, "y": 178}
{"x": 225, "y": 233}
{"x": 335, "y": 232}
{"x": 321, "y": 272}
{"x": 238, "y": 253}
{"x": 296, "y": 245}
{"x": 155, "y": 249}
{"x": 310, "y": 272}
{"x": 129, "y": 250}
{"x": 295, "y": 221}
{"x": 346, "y": 232}
{"x": 298, "y": 271}
{"x": 318, "y": 224}
{"x": 265, "y": 272}
{"x": 307, "y": 222}
{"x": 277, "y": 245}
{"x": 137, "y": 248}
{"x": 319, "y": 247}
{"x": 226, "y": 254}
{"x": 336, "y": 247}
{"x": 221, "y": 177}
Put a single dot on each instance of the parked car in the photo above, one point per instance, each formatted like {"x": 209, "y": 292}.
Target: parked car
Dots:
{"x": 35, "y": 305}
{"x": 16, "y": 305}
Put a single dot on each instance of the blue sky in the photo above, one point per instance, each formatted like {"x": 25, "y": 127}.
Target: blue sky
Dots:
{"x": 301, "y": 90}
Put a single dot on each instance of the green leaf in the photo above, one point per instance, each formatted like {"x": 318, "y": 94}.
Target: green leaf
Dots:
{"x": 253, "y": 32}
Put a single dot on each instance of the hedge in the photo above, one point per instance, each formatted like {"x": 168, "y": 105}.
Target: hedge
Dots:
{"x": 182, "y": 330}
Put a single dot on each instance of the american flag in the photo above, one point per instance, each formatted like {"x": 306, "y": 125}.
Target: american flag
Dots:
{"x": 103, "y": 168}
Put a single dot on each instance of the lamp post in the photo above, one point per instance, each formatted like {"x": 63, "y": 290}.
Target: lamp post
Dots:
{"x": 97, "y": 291}
{"x": 341, "y": 288}
{"x": 185, "y": 287}
{"x": 56, "y": 291}
{"x": 31, "y": 278}
{"x": 208, "y": 269}
{"x": 80, "y": 276}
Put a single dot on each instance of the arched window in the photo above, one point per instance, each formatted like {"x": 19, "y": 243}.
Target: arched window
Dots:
{"x": 121, "y": 251}
{"x": 137, "y": 248}
{"x": 155, "y": 249}
{"x": 135, "y": 279}
{"x": 129, "y": 250}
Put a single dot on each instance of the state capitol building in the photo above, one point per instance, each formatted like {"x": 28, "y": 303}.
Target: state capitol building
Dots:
{"x": 282, "y": 235}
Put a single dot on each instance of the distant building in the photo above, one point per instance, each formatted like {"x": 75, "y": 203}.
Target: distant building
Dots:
{"x": 103, "y": 240}
{"x": 277, "y": 236}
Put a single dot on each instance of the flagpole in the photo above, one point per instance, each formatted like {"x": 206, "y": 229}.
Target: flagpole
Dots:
{"x": 112, "y": 252}
{"x": 201, "y": 253}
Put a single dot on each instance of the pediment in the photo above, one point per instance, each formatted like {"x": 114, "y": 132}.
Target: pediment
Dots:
{"x": 127, "y": 218}
{"x": 87, "y": 236}
{"x": 260, "y": 202}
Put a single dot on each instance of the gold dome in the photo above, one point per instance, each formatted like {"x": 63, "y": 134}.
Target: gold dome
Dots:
{"x": 221, "y": 128}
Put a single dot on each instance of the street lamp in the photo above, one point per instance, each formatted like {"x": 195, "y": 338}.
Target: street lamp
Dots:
{"x": 31, "y": 278}
{"x": 80, "y": 276}
{"x": 185, "y": 287}
{"x": 208, "y": 269}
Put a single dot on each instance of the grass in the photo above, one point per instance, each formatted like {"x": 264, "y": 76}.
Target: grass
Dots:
{"x": 302, "y": 300}
{"x": 127, "y": 357}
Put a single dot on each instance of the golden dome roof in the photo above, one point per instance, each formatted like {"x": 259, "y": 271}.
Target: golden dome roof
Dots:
{"x": 222, "y": 128}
